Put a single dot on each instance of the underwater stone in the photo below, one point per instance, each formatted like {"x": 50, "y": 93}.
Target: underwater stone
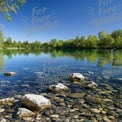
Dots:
{"x": 10, "y": 73}
{"x": 76, "y": 77}
{"x": 57, "y": 88}
{"x": 93, "y": 99}
{"x": 35, "y": 102}
{"x": 89, "y": 84}
{"x": 76, "y": 95}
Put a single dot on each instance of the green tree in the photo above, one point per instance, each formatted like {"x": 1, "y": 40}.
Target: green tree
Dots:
{"x": 19, "y": 44}
{"x": 53, "y": 43}
{"x": 92, "y": 41}
{"x": 8, "y": 42}
{"x": 108, "y": 41}
{"x": 102, "y": 35}
{"x": 36, "y": 45}
{"x": 10, "y": 6}
{"x": 118, "y": 42}
{"x": 76, "y": 42}
{"x": 82, "y": 42}
{"x": 60, "y": 43}
{"x": 14, "y": 44}
{"x": 26, "y": 44}
{"x": 1, "y": 39}
{"x": 117, "y": 35}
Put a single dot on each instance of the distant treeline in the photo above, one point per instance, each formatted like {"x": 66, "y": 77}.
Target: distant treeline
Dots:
{"x": 104, "y": 40}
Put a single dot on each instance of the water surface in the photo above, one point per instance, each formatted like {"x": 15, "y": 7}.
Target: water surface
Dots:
{"x": 36, "y": 69}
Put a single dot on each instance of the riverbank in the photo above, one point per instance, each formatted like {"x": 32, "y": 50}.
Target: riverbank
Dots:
{"x": 76, "y": 105}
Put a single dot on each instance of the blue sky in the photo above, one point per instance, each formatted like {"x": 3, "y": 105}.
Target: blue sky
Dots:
{"x": 44, "y": 20}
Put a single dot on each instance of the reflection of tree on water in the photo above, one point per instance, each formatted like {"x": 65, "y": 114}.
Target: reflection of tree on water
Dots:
{"x": 116, "y": 69}
{"x": 116, "y": 64}
{"x": 110, "y": 57}
{"x": 90, "y": 55}
{"x": 1, "y": 60}
{"x": 117, "y": 60}
{"x": 11, "y": 53}
{"x": 101, "y": 57}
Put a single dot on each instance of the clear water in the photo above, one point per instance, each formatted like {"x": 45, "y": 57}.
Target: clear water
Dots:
{"x": 36, "y": 69}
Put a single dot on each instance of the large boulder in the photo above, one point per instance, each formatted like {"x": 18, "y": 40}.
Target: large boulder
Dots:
{"x": 57, "y": 88}
{"x": 35, "y": 102}
{"x": 76, "y": 77}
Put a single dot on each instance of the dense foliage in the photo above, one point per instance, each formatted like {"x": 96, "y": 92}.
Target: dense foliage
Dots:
{"x": 104, "y": 40}
{"x": 1, "y": 39}
{"x": 10, "y": 6}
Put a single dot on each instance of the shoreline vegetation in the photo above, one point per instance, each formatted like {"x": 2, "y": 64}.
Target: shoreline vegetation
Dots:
{"x": 103, "y": 41}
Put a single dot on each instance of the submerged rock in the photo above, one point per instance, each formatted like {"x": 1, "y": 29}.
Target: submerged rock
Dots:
{"x": 90, "y": 84}
{"x": 76, "y": 77}
{"x": 35, "y": 102}
{"x": 57, "y": 88}
{"x": 76, "y": 95}
{"x": 10, "y": 73}
{"x": 93, "y": 99}
{"x": 107, "y": 100}
{"x": 23, "y": 112}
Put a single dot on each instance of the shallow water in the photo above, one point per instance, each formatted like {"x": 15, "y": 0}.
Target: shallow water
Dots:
{"x": 36, "y": 70}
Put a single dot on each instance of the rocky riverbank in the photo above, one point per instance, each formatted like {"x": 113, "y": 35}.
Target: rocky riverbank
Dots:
{"x": 76, "y": 103}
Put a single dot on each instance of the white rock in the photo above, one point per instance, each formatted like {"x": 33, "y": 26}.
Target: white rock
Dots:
{"x": 57, "y": 88}
{"x": 3, "y": 120}
{"x": 23, "y": 112}
{"x": 55, "y": 116}
{"x": 95, "y": 110}
{"x": 92, "y": 85}
{"x": 36, "y": 102}
{"x": 7, "y": 100}
{"x": 76, "y": 76}
{"x": 2, "y": 110}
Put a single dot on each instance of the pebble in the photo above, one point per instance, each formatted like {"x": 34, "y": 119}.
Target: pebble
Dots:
{"x": 54, "y": 116}
{"x": 106, "y": 119}
{"x": 76, "y": 95}
{"x": 3, "y": 120}
{"x": 2, "y": 110}
{"x": 95, "y": 111}
{"x": 75, "y": 116}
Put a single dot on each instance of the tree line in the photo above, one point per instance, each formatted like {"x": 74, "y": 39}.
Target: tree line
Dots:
{"x": 104, "y": 40}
